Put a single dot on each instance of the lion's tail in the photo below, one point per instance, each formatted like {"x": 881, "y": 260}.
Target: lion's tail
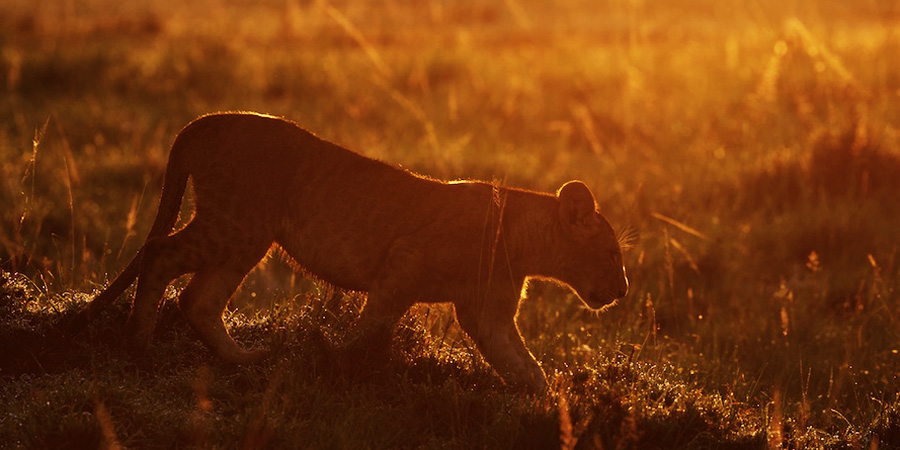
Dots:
{"x": 174, "y": 185}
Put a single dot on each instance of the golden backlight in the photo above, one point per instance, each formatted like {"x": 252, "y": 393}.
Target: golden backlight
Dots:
{"x": 751, "y": 149}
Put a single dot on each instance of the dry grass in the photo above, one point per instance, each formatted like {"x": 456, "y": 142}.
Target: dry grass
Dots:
{"x": 752, "y": 146}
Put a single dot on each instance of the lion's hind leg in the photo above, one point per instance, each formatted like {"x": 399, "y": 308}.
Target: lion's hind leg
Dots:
{"x": 219, "y": 256}
{"x": 164, "y": 259}
{"x": 203, "y": 301}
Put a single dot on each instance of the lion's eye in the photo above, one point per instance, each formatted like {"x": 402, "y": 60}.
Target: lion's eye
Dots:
{"x": 615, "y": 258}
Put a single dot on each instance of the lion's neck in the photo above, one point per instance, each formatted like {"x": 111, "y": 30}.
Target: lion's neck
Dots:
{"x": 531, "y": 221}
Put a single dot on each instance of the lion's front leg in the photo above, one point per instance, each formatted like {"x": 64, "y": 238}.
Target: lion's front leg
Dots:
{"x": 380, "y": 315}
{"x": 501, "y": 345}
{"x": 388, "y": 299}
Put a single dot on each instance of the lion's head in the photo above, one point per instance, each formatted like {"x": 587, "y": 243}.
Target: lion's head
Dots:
{"x": 590, "y": 255}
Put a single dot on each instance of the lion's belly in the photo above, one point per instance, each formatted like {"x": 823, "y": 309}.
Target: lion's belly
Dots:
{"x": 335, "y": 258}
{"x": 432, "y": 265}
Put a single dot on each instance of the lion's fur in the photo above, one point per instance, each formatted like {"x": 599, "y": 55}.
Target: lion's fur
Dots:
{"x": 363, "y": 225}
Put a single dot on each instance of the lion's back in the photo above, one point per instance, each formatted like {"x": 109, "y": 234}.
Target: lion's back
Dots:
{"x": 244, "y": 164}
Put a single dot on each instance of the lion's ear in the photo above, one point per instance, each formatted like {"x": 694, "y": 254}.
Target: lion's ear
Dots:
{"x": 576, "y": 204}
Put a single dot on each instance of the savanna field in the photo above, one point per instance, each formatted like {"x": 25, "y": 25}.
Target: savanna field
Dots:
{"x": 750, "y": 150}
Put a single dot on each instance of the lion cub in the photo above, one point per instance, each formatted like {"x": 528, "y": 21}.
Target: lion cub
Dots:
{"x": 362, "y": 225}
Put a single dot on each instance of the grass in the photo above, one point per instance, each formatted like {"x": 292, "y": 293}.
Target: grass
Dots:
{"x": 753, "y": 147}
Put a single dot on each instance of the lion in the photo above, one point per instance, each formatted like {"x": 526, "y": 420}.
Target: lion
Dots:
{"x": 361, "y": 225}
